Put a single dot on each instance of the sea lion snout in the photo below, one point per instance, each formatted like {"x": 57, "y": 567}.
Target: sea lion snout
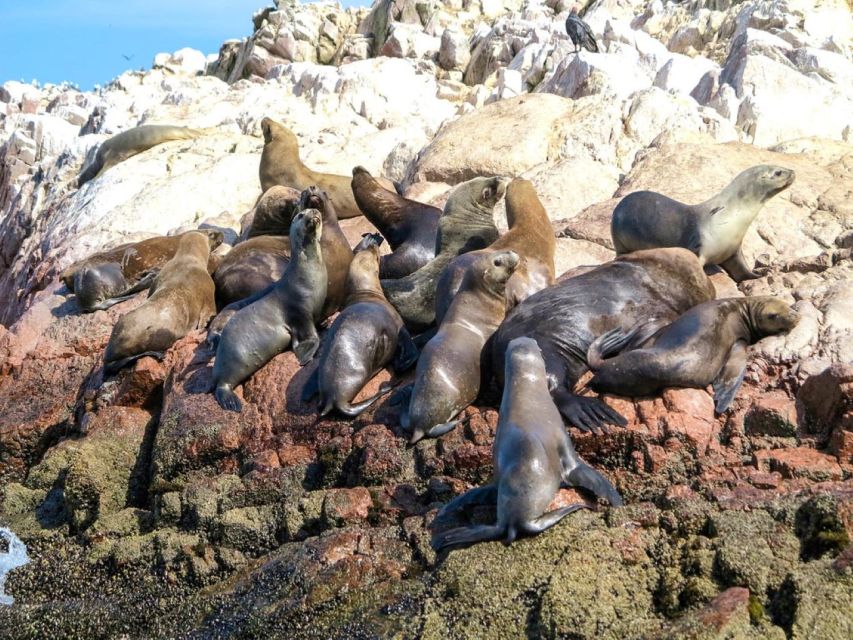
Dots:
{"x": 215, "y": 237}
{"x": 313, "y": 198}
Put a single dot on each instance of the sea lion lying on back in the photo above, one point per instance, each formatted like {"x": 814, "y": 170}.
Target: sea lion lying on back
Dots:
{"x": 109, "y": 277}
{"x": 128, "y": 143}
{"x": 713, "y": 229}
{"x": 280, "y": 164}
{"x": 410, "y": 227}
{"x": 705, "y": 345}
{"x": 180, "y": 300}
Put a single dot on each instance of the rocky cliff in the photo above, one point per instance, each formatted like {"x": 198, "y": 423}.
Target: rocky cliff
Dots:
{"x": 149, "y": 512}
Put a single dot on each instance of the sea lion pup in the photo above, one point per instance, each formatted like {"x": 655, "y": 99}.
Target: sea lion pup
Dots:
{"x": 409, "y": 226}
{"x": 713, "y": 229}
{"x": 272, "y": 213}
{"x": 180, "y": 300}
{"x": 705, "y": 345}
{"x": 280, "y": 164}
{"x": 566, "y": 317}
{"x": 533, "y": 457}
{"x": 362, "y": 340}
{"x": 250, "y": 267}
{"x": 128, "y": 143}
{"x": 448, "y": 375}
{"x": 112, "y": 276}
{"x": 530, "y": 236}
{"x": 285, "y": 316}
{"x": 466, "y": 224}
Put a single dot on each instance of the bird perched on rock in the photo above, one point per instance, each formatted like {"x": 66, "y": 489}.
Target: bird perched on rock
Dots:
{"x": 580, "y": 33}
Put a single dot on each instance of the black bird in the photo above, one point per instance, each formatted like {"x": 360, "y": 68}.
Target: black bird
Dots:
{"x": 580, "y": 33}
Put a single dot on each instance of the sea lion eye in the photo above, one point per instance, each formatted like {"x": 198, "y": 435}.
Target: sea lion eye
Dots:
{"x": 778, "y": 173}
{"x": 487, "y": 193}
{"x": 773, "y": 316}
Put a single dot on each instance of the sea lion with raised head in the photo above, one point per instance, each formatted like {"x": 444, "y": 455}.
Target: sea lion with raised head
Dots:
{"x": 409, "y": 226}
{"x": 280, "y": 164}
{"x": 467, "y": 224}
{"x": 533, "y": 458}
{"x": 180, "y": 300}
{"x": 530, "y": 235}
{"x": 364, "y": 338}
{"x": 713, "y": 229}
{"x": 109, "y": 277}
{"x": 128, "y": 143}
{"x": 285, "y": 316}
{"x": 566, "y": 317}
{"x": 449, "y": 372}
{"x": 705, "y": 345}
{"x": 272, "y": 213}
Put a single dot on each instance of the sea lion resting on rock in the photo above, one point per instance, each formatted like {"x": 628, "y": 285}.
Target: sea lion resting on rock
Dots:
{"x": 705, "y": 345}
{"x": 713, "y": 230}
{"x": 280, "y": 164}
{"x": 466, "y": 224}
{"x": 272, "y": 213}
{"x": 180, "y": 300}
{"x": 533, "y": 457}
{"x": 530, "y": 235}
{"x": 250, "y": 267}
{"x": 566, "y": 317}
{"x": 128, "y": 143}
{"x": 449, "y": 372}
{"x": 410, "y": 227}
{"x": 362, "y": 340}
{"x": 109, "y": 277}
{"x": 286, "y": 315}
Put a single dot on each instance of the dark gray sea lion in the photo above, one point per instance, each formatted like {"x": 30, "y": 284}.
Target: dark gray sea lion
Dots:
{"x": 705, "y": 345}
{"x": 713, "y": 230}
{"x": 250, "y": 267}
{"x": 280, "y": 164}
{"x": 109, "y": 277}
{"x": 449, "y": 372}
{"x": 364, "y": 338}
{"x": 467, "y": 224}
{"x": 566, "y": 317}
{"x": 530, "y": 235}
{"x": 533, "y": 457}
{"x": 285, "y": 316}
{"x": 180, "y": 300}
{"x": 128, "y": 143}
{"x": 409, "y": 226}
{"x": 272, "y": 214}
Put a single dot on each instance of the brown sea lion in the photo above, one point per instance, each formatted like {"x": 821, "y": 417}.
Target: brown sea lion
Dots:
{"x": 272, "y": 214}
{"x": 467, "y": 224}
{"x": 109, "y": 277}
{"x": 409, "y": 226}
{"x": 533, "y": 457}
{"x": 180, "y": 300}
{"x": 530, "y": 235}
{"x": 448, "y": 375}
{"x": 280, "y": 164}
{"x": 250, "y": 267}
{"x": 565, "y": 318}
{"x": 705, "y": 345}
{"x": 713, "y": 229}
{"x": 364, "y": 338}
{"x": 285, "y": 316}
{"x": 128, "y": 143}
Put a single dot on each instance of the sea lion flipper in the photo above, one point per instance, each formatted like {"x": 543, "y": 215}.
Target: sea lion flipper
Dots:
{"x": 737, "y": 267}
{"x": 227, "y": 399}
{"x": 587, "y": 414}
{"x": 407, "y": 352}
{"x": 729, "y": 379}
{"x": 582, "y": 475}
{"x": 306, "y": 348}
{"x": 440, "y": 429}
{"x": 548, "y": 520}
{"x": 466, "y": 536}
{"x": 487, "y": 494}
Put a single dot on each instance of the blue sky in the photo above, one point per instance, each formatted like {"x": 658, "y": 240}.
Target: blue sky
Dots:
{"x": 85, "y": 41}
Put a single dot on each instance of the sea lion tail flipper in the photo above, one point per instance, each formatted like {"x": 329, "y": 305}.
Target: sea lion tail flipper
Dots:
{"x": 312, "y": 386}
{"x": 487, "y": 494}
{"x": 113, "y": 367}
{"x": 227, "y": 399}
{"x": 368, "y": 240}
{"x": 440, "y": 429}
{"x": 407, "y": 353}
{"x": 353, "y": 410}
{"x": 548, "y": 520}
{"x": 588, "y": 478}
{"x": 729, "y": 379}
{"x": 466, "y": 536}
{"x": 103, "y": 305}
{"x": 615, "y": 341}
{"x": 587, "y": 414}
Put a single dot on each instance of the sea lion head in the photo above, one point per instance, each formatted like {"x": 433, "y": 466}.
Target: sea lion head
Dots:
{"x": 274, "y": 212}
{"x": 306, "y": 228}
{"x": 482, "y": 193}
{"x": 764, "y": 181}
{"x": 363, "y": 273}
{"x": 313, "y": 198}
{"x": 523, "y": 356}
{"x": 495, "y": 268}
{"x": 275, "y": 131}
{"x": 214, "y": 237}
{"x": 770, "y": 316}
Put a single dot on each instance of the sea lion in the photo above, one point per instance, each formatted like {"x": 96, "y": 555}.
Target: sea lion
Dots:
{"x": 128, "y": 143}
{"x": 250, "y": 267}
{"x": 466, "y": 224}
{"x": 280, "y": 164}
{"x": 705, "y": 345}
{"x": 530, "y": 235}
{"x": 109, "y": 277}
{"x": 713, "y": 229}
{"x": 285, "y": 316}
{"x": 533, "y": 457}
{"x": 272, "y": 214}
{"x": 409, "y": 226}
{"x": 180, "y": 300}
{"x": 362, "y": 340}
{"x": 448, "y": 375}
{"x": 566, "y": 317}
